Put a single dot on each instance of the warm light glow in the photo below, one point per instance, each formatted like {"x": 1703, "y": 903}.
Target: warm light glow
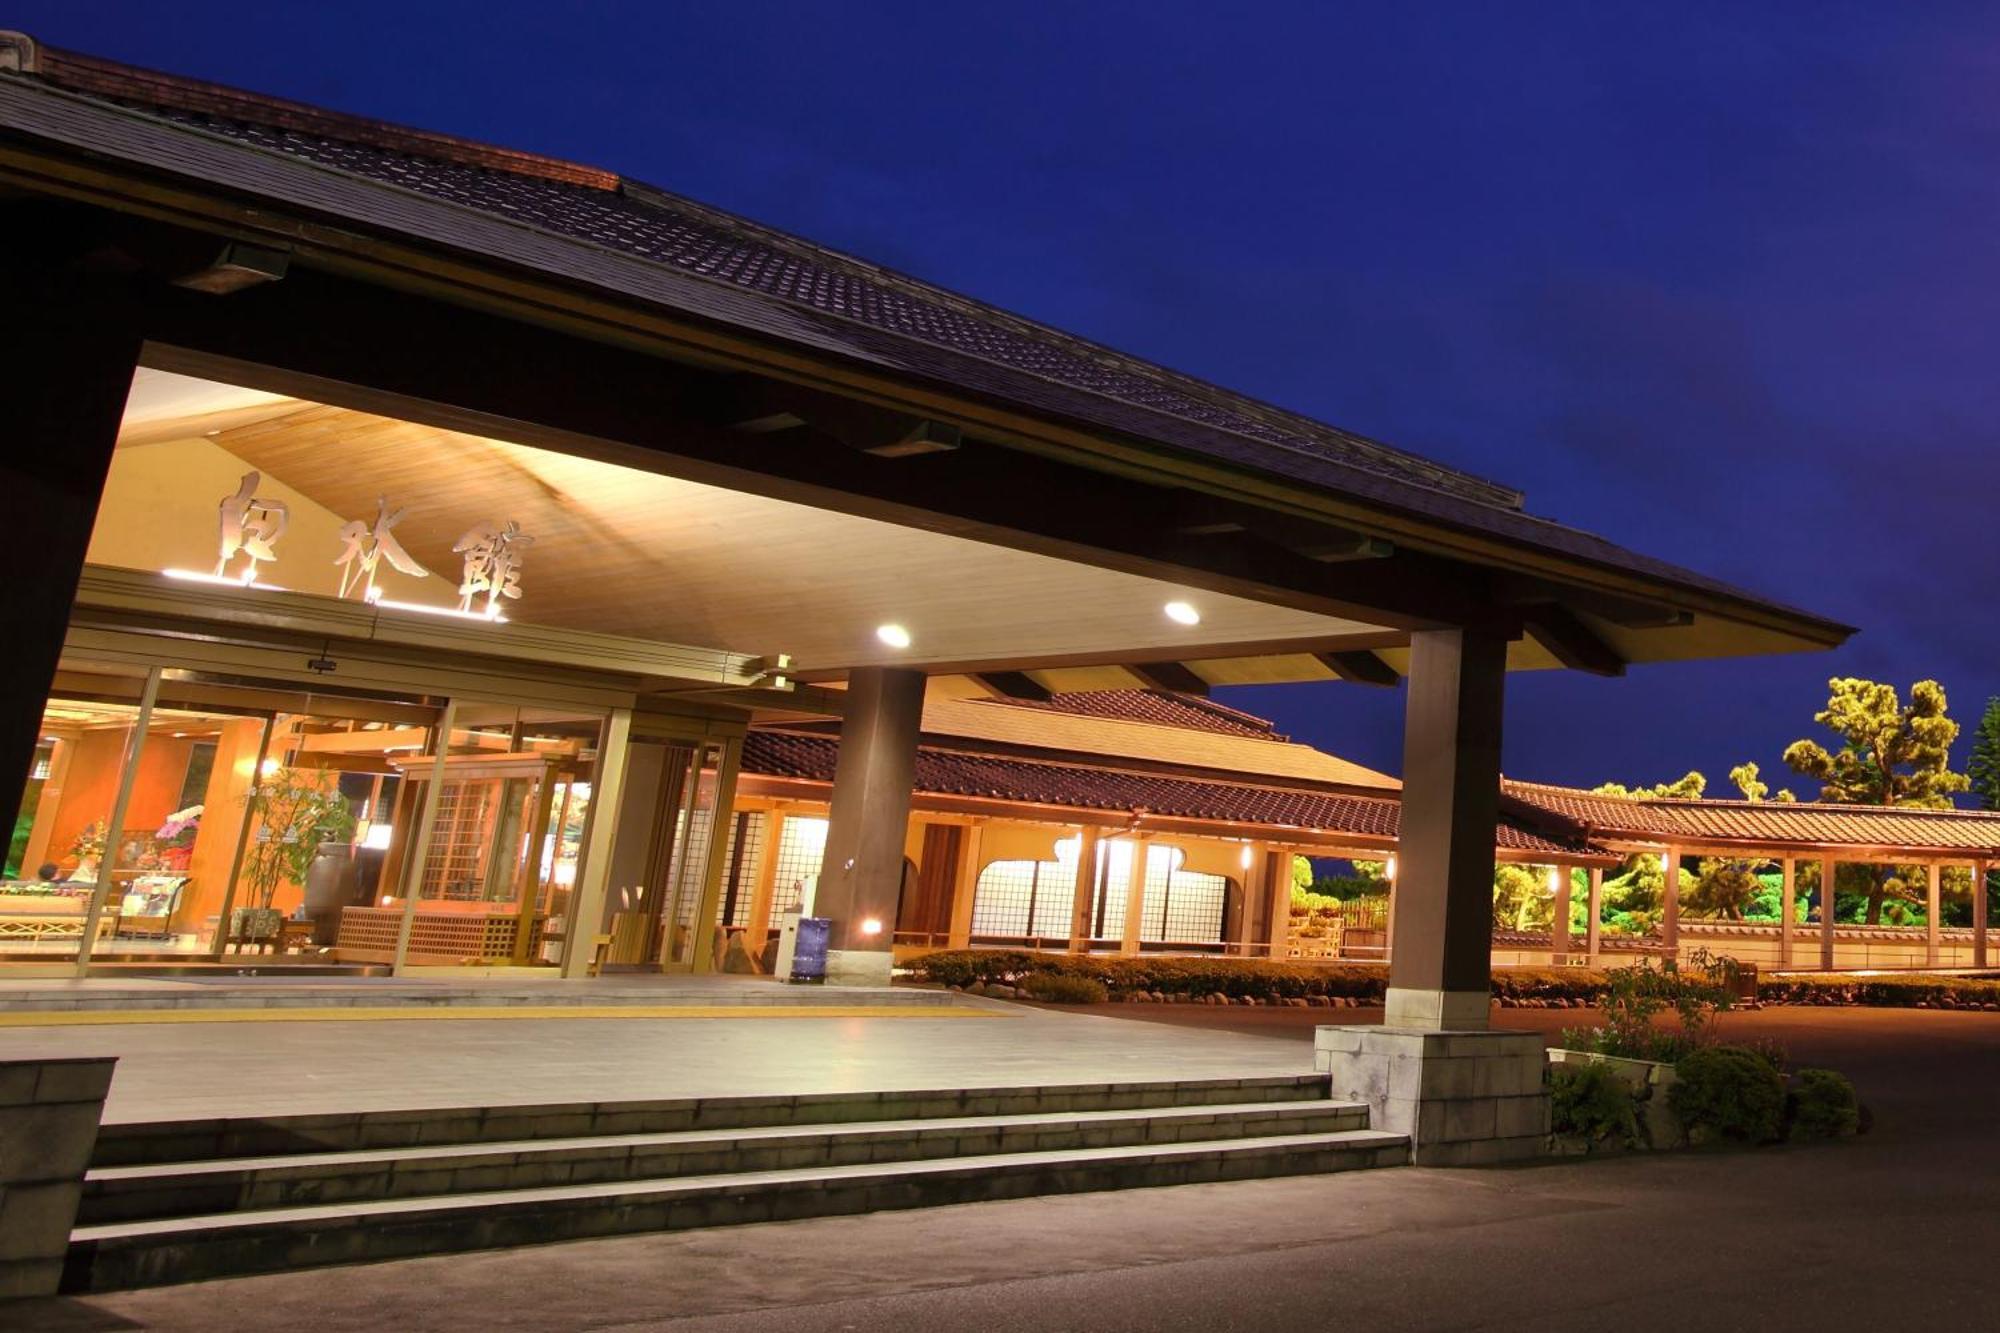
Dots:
{"x": 1555, "y": 880}
{"x": 1068, "y": 849}
{"x": 871, "y": 926}
{"x": 1181, "y": 613}
{"x": 389, "y": 604}
{"x": 377, "y": 837}
{"x": 268, "y": 767}
{"x": 191, "y": 576}
{"x": 1247, "y": 852}
{"x": 893, "y": 635}
{"x": 1389, "y": 867}
{"x": 386, "y": 900}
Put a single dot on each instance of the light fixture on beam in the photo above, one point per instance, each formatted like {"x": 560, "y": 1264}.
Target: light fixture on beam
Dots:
{"x": 926, "y": 437}
{"x": 1182, "y": 613}
{"x": 238, "y": 266}
{"x": 893, "y": 635}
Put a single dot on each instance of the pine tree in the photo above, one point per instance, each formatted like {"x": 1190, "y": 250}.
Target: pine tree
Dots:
{"x": 1984, "y": 766}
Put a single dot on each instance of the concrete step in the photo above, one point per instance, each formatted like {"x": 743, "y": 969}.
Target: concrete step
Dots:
{"x": 180, "y": 1189}
{"x": 150, "y": 1253}
{"x": 142, "y": 1143}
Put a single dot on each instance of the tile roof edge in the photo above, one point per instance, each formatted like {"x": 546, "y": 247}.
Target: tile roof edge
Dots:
{"x": 95, "y": 75}
{"x": 1499, "y": 494}
{"x": 1737, "y": 803}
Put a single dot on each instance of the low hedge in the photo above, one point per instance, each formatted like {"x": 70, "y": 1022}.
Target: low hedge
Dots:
{"x": 1236, "y": 978}
{"x": 1903, "y": 991}
{"x": 1728, "y": 1093}
{"x": 1529, "y": 987}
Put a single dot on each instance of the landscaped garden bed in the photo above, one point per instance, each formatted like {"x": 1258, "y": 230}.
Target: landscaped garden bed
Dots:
{"x": 1178, "y": 980}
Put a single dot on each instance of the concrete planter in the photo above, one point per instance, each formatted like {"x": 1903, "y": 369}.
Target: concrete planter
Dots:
{"x": 1649, "y": 1080}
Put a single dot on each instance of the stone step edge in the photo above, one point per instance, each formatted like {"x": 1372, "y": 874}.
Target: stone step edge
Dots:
{"x": 612, "y": 1193}
{"x": 470, "y": 1155}
{"x": 772, "y": 1104}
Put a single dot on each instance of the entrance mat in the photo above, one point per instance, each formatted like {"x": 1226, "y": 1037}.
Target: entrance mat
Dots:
{"x": 481, "y": 1013}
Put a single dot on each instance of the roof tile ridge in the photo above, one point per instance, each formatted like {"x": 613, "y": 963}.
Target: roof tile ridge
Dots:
{"x": 1501, "y": 496}
{"x": 1837, "y": 807}
{"x": 97, "y": 76}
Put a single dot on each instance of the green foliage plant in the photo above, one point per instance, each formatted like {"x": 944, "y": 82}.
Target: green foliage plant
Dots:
{"x": 1056, "y": 988}
{"x": 1822, "y": 1105}
{"x": 296, "y": 810}
{"x": 1591, "y": 1102}
{"x": 1727, "y": 1093}
{"x": 1637, "y": 997}
{"x": 1982, "y": 769}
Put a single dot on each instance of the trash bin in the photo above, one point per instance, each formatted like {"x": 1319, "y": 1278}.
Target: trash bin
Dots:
{"x": 809, "y": 951}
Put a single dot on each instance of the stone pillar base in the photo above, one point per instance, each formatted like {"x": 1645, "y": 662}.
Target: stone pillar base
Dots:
{"x": 857, "y": 967}
{"x": 1464, "y": 1098}
{"x": 49, "y": 1111}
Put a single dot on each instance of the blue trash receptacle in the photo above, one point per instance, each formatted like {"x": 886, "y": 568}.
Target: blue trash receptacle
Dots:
{"x": 809, "y": 953}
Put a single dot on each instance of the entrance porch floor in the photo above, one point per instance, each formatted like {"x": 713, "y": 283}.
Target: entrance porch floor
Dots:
{"x": 180, "y": 1065}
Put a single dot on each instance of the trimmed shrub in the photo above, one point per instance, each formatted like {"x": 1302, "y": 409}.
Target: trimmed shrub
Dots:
{"x": 1822, "y": 1105}
{"x": 1055, "y": 988}
{"x": 1911, "y": 990}
{"x": 1727, "y": 1092}
{"x": 1591, "y": 1102}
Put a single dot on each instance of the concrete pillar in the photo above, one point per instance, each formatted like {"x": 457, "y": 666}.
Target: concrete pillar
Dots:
{"x": 1559, "y": 918}
{"x": 1826, "y": 878}
{"x": 862, "y": 874}
{"x": 49, "y": 1112}
{"x": 1592, "y": 926}
{"x": 1670, "y": 904}
{"x": 1084, "y": 900}
{"x": 1440, "y": 972}
{"x": 1979, "y": 914}
{"x": 64, "y": 391}
{"x": 1933, "y": 902}
{"x": 1787, "y": 907}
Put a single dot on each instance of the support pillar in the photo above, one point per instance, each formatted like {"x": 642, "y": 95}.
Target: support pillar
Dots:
{"x": 1559, "y": 918}
{"x": 1933, "y": 902}
{"x": 1670, "y": 905}
{"x": 861, "y": 876}
{"x": 967, "y": 887}
{"x": 65, "y": 394}
{"x": 1278, "y": 884}
{"x": 1826, "y": 879}
{"x": 1135, "y": 898}
{"x": 1083, "y": 900}
{"x": 1592, "y": 927}
{"x": 1441, "y": 970}
{"x": 1787, "y": 909}
{"x": 1979, "y": 914}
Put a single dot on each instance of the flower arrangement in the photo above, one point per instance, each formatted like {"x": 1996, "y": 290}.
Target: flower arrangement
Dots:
{"x": 88, "y": 849}
{"x": 175, "y": 837}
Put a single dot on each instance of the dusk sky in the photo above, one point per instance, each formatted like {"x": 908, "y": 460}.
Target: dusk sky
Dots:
{"x": 1716, "y": 281}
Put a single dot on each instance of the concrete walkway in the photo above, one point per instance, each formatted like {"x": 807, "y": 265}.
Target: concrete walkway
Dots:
{"x": 1895, "y": 1230}
{"x": 177, "y": 1067}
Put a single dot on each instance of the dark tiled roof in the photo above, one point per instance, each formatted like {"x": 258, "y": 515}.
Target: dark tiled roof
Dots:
{"x": 1778, "y": 823}
{"x": 939, "y": 772}
{"x": 1160, "y": 707}
{"x": 591, "y": 227}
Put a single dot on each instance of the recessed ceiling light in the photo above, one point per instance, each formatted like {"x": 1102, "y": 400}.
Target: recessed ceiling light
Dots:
{"x": 1182, "y": 614}
{"x": 893, "y": 635}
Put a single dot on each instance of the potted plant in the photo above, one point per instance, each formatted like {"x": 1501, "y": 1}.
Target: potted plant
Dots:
{"x": 296, "y": 810}
{"x": 1633, "y": 1042}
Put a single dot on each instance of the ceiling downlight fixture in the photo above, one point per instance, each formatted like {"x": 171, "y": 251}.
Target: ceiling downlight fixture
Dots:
{"x": 1182, "y": 613}
{"x": 893, "y": 635}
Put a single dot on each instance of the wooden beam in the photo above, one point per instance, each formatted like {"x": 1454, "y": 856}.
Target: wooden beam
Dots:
{"x": 1173, "y": 676}
{"x": 1014, "y": 685}
{"x": 1360, "y": 667}
{"x": 1570, "y": 641}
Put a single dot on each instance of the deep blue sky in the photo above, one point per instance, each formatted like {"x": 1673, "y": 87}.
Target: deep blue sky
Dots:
{"x": 1719, "y": 281}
